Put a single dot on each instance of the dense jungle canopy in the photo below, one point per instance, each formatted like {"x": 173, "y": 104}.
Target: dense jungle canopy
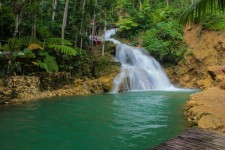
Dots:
{"x": 53, "y": 35}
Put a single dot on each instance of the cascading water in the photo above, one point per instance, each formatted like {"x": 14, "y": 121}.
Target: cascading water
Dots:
{"x": 140, "y": 71}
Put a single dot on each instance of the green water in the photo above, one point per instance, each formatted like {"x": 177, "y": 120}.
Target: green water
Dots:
{"x": 123, "y": 121}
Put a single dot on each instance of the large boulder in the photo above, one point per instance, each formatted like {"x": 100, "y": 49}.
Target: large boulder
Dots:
{"x": 215, "y": 71}
{"x": 206, "y": 109}
{"x": 210, "y": 122}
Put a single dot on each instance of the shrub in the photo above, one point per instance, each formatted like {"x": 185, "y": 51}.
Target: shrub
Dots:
{"x": 127, "y": 27}
{"x": 214, "y": 22}
{"x": 165, "y": 42}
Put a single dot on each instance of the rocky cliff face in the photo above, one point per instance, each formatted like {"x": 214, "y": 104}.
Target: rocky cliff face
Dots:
{"x": 202, "y": 68}
{"x": 205, "y": 53}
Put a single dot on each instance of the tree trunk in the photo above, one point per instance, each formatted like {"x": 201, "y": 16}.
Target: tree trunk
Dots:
{"x": 81, "y": 26}
{"x": 64, "y": 20}
{"x": 81, "y": 43}
{"x": 103, "y": 45}
{"x": 140, "y": 3}
{"x": 167, "y": 3}
{"x": 54, "y": 4}
{"x": 34, "y": 28}
{"x": 93, "y": 26}
{"x": 17, "y": 22}
{"x": 2, "y": 29}
{"x": 76, "y": 37}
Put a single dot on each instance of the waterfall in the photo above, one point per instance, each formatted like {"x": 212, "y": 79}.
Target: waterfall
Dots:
{"x": 139, "y": 71}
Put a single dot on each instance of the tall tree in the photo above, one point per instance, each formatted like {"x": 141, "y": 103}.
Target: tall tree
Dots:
{"x": 81, "y": 26}
{"x": 17, "y": 10}
{"x": 54, "y": 5}
{"x": 64, "y": 20}
{"x": 93, "y": 23}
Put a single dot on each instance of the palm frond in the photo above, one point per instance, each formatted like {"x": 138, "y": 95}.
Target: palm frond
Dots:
{"x": 200, "y": 8}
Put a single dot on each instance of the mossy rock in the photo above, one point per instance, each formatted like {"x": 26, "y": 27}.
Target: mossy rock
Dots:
{"x": 105, "y": 66}
{"x": 53, "y": 81}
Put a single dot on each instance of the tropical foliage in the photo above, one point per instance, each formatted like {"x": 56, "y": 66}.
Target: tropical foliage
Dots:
{"x": 50, "y": 35}
{"x": 165, "y": 42}
{"x": 214, "y": 22}
{"x": 53, "y": 35}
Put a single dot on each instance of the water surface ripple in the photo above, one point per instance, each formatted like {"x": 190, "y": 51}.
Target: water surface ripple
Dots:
{"x": 96, "y": 122}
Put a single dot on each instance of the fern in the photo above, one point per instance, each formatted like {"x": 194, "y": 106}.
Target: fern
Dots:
{"x": 64, "y": 49}
{"x": 5, "y": 47}
{"x": 27, "y": 40}
{"x": 41, "y": 65}
{"x": 28, "y": 53}
{"x": 58, "y": 41}
{"x": 51, "y": 63}
{"x": 14, "y": 44}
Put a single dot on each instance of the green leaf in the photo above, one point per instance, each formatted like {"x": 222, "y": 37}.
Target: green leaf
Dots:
{"x": 64, "y": 49}
{"x": 58, "y": 41}
{"x": 28, "y": 53}
{"x": 51, "y": 64}
{"x": 42, "y": 65}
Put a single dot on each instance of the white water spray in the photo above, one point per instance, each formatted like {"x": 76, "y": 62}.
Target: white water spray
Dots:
{"x": 140, "y": 71}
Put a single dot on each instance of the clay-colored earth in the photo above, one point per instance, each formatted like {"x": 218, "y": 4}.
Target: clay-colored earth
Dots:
{"x": 205, "y": 49}
{"x": 202, "y": 68}
{"x": 207, "y": 109}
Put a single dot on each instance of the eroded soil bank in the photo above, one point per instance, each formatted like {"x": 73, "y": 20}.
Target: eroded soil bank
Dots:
{"x": 202, "y": 68}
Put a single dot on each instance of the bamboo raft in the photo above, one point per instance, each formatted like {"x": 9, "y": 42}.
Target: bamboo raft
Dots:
{"x": 195, "y": 139}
